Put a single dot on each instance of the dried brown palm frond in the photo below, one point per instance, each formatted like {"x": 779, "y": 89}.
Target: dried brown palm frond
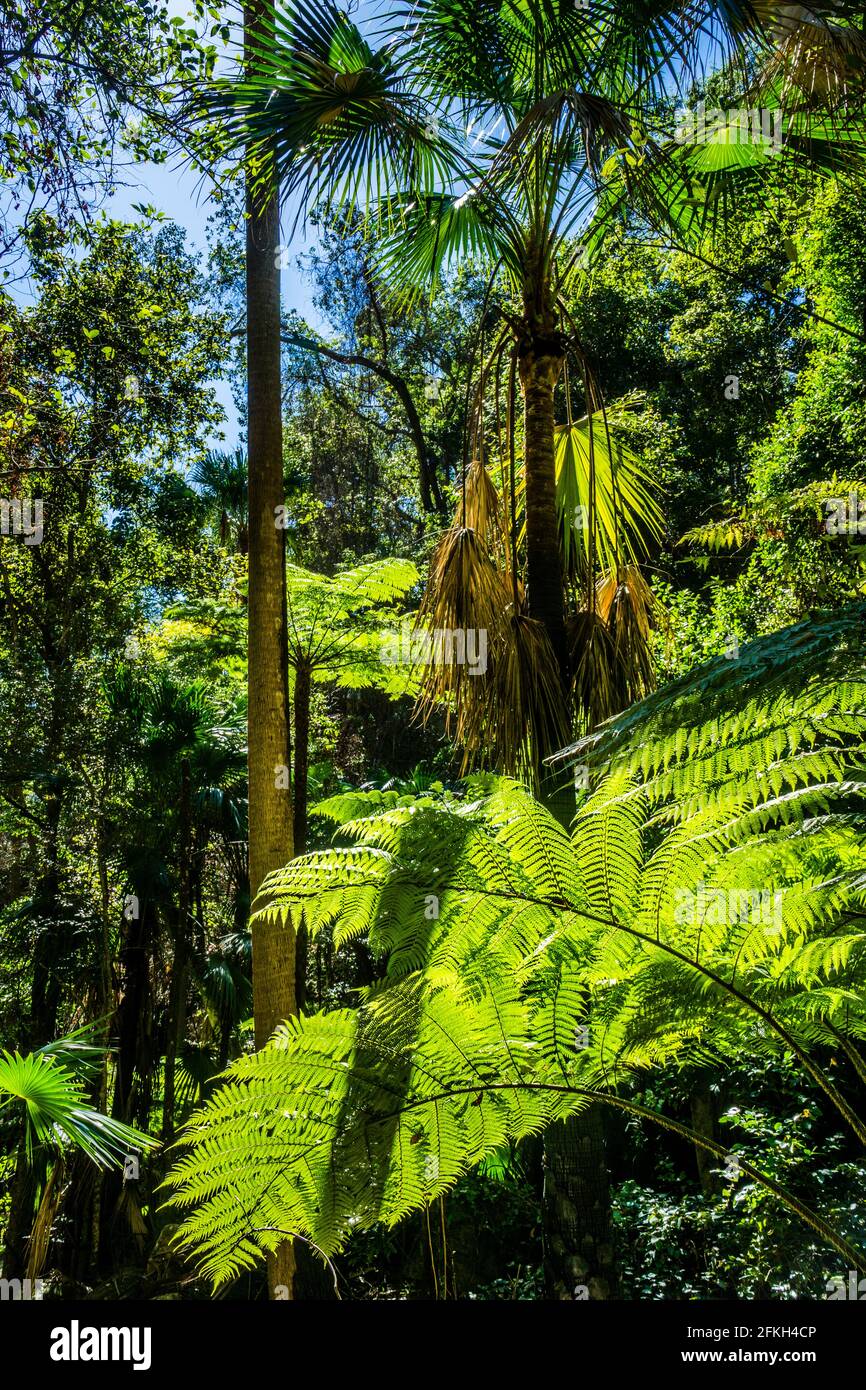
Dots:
{"x": 512, "y": 714}
{"x": 128, "y": 1208}
{"x": 628, "y": 605}
{"x": 481, "y": 511}
{"x": 610, "y": 646}
{"x": 518, "y": 716}
{"x": 626, "y": 587}
{"x": 40, "y": 1236}
{"x": 464, "y": 606}
{"x": 464, "y": 586}
{"x": 532, "y": 716}
{"x": 595, "y": 687}
{"x": 811, "y": 56}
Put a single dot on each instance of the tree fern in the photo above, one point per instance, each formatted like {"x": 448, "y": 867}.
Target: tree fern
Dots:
{"x": 711, "y": 897}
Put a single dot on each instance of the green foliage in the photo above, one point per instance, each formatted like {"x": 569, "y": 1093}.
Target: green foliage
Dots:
{"x": 527, "y": 971}
{"x": 339, "y": 623}
{"x": 86, "y": 88}
{"x": 56, "y": 1112}
{"x": 598, "y": 476}
{"x": 380, "y": 123}
{"x": 736, "y": 1241}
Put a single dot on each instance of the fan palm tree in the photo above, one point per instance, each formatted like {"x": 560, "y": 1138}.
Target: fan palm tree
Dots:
{"x": 515, "y": 132}
{"x": 55, "y": 1112}
{"x": 188, "y": 760}
{"x": 506, "y": 130}
{"x": 221, "y": 478}
{"x": 46, "y": 1091}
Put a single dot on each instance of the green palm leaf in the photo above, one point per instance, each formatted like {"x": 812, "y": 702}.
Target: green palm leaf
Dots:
{"x": 56, "y": 1112}
{"x": 599, "y": 477}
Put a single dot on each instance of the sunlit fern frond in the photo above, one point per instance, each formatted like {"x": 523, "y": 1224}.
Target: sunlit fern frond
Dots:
{"x": 527, "y": 973}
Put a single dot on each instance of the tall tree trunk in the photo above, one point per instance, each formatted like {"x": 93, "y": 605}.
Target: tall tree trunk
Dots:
{"x": 136, "y": 1062}
{"x": 299, "y": 790}
{"x": 134, "y": 1018}
{"x": 44, "y": 1001}
{"x": 578, "y": 1260}
{"x": 45, "y": 988}
{"x": 182, "y": 933}
{"x": 578, "y": 1249}
{"x": 540, "y": 363}
{"x": 703, "y": 1108}
{"x": 22, "y": 1210}
{"x": 270, "y": 802}
{"x": 302, "y": 756}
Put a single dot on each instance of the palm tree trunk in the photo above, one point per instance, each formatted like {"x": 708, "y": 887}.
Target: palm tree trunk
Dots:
{"x": 180, "y": 960}
{"x": 302, "y": 755}
{"x": 301, "y": 766}
{"x": 270, "y": 800}
{"x": 134, "y": 1016}
{"x": 703, "y": 1108}
{"x": 270, "y": 803}
{"x": 576, "y": 1201}
{"x": 540, "y": 365}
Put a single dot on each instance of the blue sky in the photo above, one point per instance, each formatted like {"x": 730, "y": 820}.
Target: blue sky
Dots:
{"x": 180, "y": 193}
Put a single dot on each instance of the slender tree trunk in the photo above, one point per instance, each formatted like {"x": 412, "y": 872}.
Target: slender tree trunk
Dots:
{"x": 301, "y": 756}
{"x": 44, "y": 1005}
{"x": 270, "y": 799}
{"x": 299, "y": 792}
{"x": 79, "y": 1252}
{"x": 578, "y": 1260}
{"x": 270, "y": 802}
{"x": 578, "y": 1248}
{"x": 703, "y": 1110}
{"x": 540, "y": 364}
{"x": 183, "y": 927}
{"x": 134, "y": 1018}
{"x": 45, "y": 988}
{"x": 22, "y": 1209}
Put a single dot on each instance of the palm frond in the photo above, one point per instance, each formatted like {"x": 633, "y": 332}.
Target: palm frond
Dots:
{"x": 56, "y": 1113}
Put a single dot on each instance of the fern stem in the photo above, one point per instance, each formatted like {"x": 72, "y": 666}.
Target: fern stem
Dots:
{"x": 857, "y": 1060}
{"x": 828, "y": 1233}
{"x": 811, "y": 1068}
{"x": 800, "y": 1209}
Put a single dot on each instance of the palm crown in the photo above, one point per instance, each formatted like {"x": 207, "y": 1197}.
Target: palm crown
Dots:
{"x": 516, "y": 132}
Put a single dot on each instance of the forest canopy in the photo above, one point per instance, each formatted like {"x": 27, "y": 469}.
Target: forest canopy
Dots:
{"x": 432, "y": 665}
